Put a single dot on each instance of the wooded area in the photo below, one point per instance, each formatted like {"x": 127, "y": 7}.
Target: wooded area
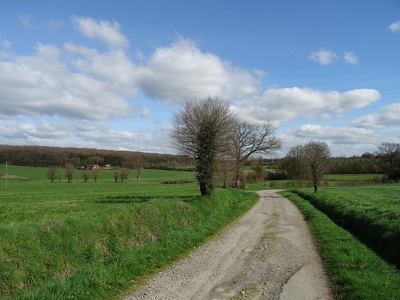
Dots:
{"x": 40, "y": 156}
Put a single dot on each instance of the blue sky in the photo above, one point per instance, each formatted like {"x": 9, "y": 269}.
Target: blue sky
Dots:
{"x": 110, "y": 74}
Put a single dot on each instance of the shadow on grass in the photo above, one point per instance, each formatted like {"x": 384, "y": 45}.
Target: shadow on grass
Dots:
{"x": 140, "y": 199}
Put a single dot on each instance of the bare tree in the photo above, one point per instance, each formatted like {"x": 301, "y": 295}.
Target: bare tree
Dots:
{"x": 250, "y": 139}
{"x": 138, "y": 174}
{"x": 96, "y": 174}
{"x": 70, "y": 173}
{"x": 202, "y": 129}
{"x": 85, "y": 175}
{"x": 52, "y": 173}
{"x": 390, "y": 153}
{"x": 125, "y": 172}
{"x": 316, "y": 157}
{"x": 116, "y": 175}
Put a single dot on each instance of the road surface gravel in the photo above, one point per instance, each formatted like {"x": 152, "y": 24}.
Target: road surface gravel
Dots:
{"x": 266, "y": 254}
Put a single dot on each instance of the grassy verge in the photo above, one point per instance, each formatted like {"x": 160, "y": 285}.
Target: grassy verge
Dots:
{"x": 370, "y": 213}
{"x": 356, "y": 272}
{"x": 93, "y": 240}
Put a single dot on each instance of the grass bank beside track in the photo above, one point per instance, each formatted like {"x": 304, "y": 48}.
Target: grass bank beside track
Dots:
{"x": 95, "y": 240}
{"x": 371, "y": 213}
{"x": 356, "y": 272}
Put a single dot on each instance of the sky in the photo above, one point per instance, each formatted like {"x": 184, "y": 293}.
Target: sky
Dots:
{"x": 111, "y": 74}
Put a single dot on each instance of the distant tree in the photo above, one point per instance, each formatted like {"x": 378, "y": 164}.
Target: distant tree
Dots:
{"x": 315, "y": 156}
{"x": 250, "y": 139}
{"x": 70, "y": 173}
{"x": 390, "y": 153}
{"x": 293, "y": 163}
{"x": 367, "y": 155}
{"x": 138, "y": 173}
{"x": 202, "y": 129}
{"x": 96, "y": 174}
{"x": 52, "y": 173}
{"x": 125, "y": 172}
{"x": 85, "y": 175}
{"x": 116, "y": 175}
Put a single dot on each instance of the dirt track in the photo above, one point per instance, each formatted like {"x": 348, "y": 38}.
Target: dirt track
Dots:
{"x": 267, "y": 254}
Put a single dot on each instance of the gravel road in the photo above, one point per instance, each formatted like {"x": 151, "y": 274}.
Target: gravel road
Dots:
{"x": 267, "y": 254}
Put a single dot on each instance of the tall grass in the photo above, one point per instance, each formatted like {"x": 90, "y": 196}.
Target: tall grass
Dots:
{"x": 91, "y": 240}
{"x": 355, "y": 271}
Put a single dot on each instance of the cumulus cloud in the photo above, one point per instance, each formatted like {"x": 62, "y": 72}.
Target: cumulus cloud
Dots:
{"x": 101, "y": 30}
{"x": 113, "y": 67}
{"x": 350, "y": 58}
{"x": 285, "y": 104}
{"x": 182, "y": 71}
{"x": 80, "y": 82}
{"x": 40, "y": 130}
{"x": 386, "y": 117}
{"x": 107, "y": 138}
{"x": 42, "y": 84}
{"x": 395, "y": 26}
{"x": 340, "y": 140}
{"x": 323, "y": 57}
{"x": 338, "y": 135}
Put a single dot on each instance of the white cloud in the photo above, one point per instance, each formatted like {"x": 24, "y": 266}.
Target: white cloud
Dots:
{"x": 340, "y": 140}
{"x": 338, "y": 135}
{"x": 106, "y": 138}
{"x": 350, "y": 58}
{"x": 286, "y": 104}
{"x": 182, "y": 71}
{"x": 54, "y": 24}
{"x": 395, "y": 26}
{"x": 42, "y": 84}
{"x": 386, "y": 117}
{"x": 6, "y": 45}
{"x": 114, "y": 67}
{"x": 40, "y": 130}
{"x": 101, "y": 30}
{"x": 144, "y": 112}
{"x": 27, "y": 20}
{"x": 323, "y": 57}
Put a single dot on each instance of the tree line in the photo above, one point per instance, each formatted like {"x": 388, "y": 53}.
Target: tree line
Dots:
{"x": 41, "y": 156}
{"x": 312, "y": 161}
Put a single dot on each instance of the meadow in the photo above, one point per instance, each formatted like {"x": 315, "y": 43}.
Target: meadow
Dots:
{"x": 98, "y": 240}
{"x": 95, "y": 240}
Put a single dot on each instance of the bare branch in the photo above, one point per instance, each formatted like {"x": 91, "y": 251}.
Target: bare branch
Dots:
{"x": 202, "y": 130}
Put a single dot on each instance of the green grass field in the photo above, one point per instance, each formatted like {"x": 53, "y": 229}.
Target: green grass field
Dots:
{"x": 92, "y": 240}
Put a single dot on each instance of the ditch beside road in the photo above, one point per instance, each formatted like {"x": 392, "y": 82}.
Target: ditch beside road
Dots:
{"x": 267, "y": 254}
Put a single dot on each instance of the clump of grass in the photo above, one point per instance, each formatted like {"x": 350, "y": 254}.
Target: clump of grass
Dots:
{"x": 355, "y": 271}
